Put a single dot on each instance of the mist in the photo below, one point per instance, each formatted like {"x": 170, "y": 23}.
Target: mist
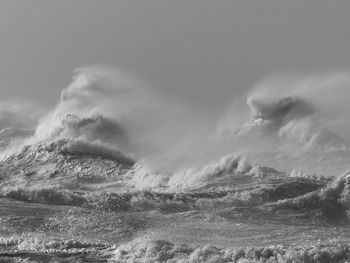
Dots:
{"x": 109, "y": 106}
{"x": 279, "y": 121}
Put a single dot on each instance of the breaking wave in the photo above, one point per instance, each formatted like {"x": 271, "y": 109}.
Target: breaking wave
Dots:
{"x": 112, "y": 148}
{"x": 141, "y": 250}
{"x": 334, "y": 196}
{"x": 299, "y": 124}
{"x": 83, "y": 148}
{"x": 93, "y": 145}
{"x": 111, "y": 183}
{"x": 288, "y": 120}
{"x": 89, "y": 129}
{"x": 92, "y": 175}
{"x": 103, "y": 108}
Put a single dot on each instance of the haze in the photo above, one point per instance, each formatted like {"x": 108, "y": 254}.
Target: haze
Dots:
{"x": 201, "y": 52}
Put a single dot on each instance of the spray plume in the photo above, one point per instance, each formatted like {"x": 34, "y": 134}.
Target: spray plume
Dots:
{"x": 283, "y": 119}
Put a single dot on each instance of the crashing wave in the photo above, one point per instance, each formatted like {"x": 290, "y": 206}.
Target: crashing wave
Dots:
{"x": 95, "y": 128}
{"x": 92, "y": 175}
{"x": 72, "y": 148}
{"x": 289, "y": 119}
{"x": 37, "y": 248}
{"x": 101, "y": 106}
{"x": 214, "y": 175}
{"x": 228, "y": 167}
{"x": 142, "y": 251}
{"x": 83, "y": 148}
{"x": 331, "y": 199}
{"x": 263, "y": 192}
{"x": 50, "y": 196}
{"x": 20, "y": 243}
{"x": 64, "y": 164}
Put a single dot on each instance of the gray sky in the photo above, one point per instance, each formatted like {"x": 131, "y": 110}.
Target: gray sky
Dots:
{"x": 202, "y": 52}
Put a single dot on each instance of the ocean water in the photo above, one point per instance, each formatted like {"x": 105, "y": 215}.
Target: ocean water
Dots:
{"x": 61, "y": 206}
{"x": 90, "y": 185}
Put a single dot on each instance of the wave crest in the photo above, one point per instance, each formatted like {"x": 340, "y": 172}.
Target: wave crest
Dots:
{"x": 142, "y": 250}
{"x": 83, "y": 148}
{"x": 290, "y": 119}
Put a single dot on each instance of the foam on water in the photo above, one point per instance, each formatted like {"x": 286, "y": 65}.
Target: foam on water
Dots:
{"x": 162, "y": 251}
{"x": 130, "y": 165}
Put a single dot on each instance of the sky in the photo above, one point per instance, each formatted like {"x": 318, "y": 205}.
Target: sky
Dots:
{"x": 202, "y": 52}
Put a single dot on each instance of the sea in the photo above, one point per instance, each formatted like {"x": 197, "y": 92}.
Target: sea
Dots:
{"x": 88, "y": 184}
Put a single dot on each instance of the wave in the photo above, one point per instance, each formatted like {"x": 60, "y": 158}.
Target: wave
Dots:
{"x": 171, "y": 202}
{"x": 267, "y": 195}
{"x": 143, "y": 250}
{"x": 43, "y": 172}
{"x": 86, "y": 128}
{"x": 36, "y": 244}
{"x": 40, "y": 249}
{"x": 290, "y": 119}
{"x": 106, "y": 108}
{"x": 288, "y": 130}
{"x": 44, "y": 196}
{"x": 83, "y": 148}
{"x": 78, "y": 164}
{"x": 77, "y": 173}
{"x": 229, "y": 169}
{"x": 72, "y": 148}
{"x": 332, "y": 198}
